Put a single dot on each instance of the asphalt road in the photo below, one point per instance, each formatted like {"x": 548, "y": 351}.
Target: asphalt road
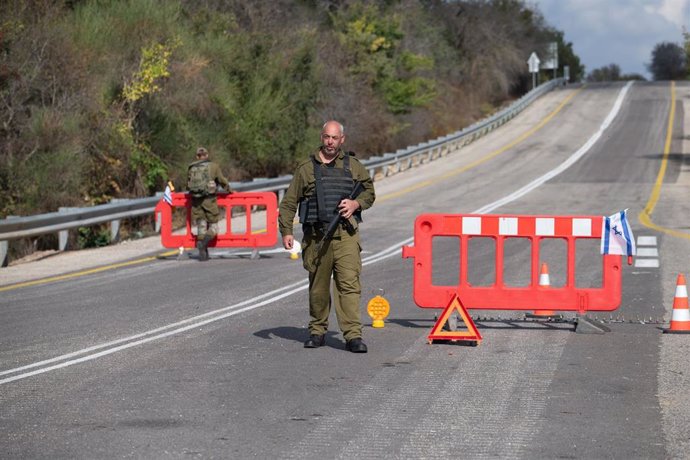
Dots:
{"x": 167, "y": 358}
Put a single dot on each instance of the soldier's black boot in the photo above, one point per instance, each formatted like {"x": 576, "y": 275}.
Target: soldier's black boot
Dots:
{"x": 315, "y": 341}
{"x": 202, "y": 246}
{"x": 356, "y": 345}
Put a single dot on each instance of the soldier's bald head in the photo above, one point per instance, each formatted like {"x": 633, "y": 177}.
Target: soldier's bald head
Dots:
{"x": 331, "y": 124}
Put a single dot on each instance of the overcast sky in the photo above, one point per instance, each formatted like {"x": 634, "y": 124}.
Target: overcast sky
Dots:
{"x": 622, "y": 32}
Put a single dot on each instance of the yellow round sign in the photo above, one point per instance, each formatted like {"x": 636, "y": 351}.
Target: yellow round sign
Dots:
{"x": 378, "y": 308}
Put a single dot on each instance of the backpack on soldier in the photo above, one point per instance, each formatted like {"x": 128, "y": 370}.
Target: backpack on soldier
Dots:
{"x": 199, "y": 178}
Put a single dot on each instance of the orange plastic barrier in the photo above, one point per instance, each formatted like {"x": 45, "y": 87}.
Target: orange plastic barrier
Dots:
{"x": 229, "y": 239}
{"x": 499, "y": 296}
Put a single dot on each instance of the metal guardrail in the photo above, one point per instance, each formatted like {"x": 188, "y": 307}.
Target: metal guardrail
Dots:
{"x": 66, "y": 219}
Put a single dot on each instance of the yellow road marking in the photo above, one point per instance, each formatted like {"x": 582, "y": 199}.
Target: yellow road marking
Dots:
{"x": 85, "y": 272}
{"x": 645, "y": 216}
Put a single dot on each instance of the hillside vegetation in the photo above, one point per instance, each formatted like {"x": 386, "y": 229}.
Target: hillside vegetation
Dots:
{"x": 109, "y": 99}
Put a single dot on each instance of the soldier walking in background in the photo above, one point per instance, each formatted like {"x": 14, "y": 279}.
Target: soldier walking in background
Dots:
{"x": 319, "y": 189}
{"x": 203, "y": 179}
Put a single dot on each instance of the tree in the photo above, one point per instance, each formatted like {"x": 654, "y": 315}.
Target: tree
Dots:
{"x": 668, "y": 62}
{"x": 611, "y": 72}
{"x": 633, "y": 76}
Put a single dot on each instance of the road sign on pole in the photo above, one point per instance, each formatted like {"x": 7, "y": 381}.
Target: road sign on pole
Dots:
{"x": 551, "y": 60}
{"x": 533, "y": 63}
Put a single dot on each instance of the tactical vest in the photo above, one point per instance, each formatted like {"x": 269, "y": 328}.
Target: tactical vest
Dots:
{"x": 199, "y": 179}
{"x": 332, "y": 185}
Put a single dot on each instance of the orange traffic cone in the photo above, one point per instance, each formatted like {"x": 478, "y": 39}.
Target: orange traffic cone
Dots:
{"x": 680, "y": 320}
{"x": 544, "y": 281}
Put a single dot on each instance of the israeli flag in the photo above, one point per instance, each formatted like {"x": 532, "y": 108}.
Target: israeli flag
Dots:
{"x": 616, "y": 235}
{"x": 167, "y": 194}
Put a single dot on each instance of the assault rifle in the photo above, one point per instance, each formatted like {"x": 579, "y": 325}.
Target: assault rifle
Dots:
{"x": 333, "y": 224}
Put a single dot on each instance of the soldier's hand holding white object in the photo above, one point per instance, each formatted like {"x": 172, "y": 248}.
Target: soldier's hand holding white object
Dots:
{"x": 288, "y": 241}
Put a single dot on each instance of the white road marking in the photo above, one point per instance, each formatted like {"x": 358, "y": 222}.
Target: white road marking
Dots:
{"x": 649, "y": 251}
{"x": 195, "y": 320}
{"x": 647, "y": 263}
{"x": 646, "y": 241}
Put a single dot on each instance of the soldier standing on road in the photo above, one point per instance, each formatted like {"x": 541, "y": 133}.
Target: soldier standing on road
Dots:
{"x": 317, "y": 188}
{"x": 203, "y": 179}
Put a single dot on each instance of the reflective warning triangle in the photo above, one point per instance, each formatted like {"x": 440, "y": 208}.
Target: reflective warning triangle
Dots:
{"x": 471, "y": 334}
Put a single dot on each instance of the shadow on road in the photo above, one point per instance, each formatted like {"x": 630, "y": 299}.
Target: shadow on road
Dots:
{"x": 298, "y": 334}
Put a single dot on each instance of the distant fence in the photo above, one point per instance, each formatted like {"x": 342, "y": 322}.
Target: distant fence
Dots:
{"x": 66, "y": 219}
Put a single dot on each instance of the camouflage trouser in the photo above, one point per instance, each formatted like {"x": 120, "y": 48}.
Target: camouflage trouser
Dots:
{"x": 205, "y": 215}
{"x": 340, "y": 257}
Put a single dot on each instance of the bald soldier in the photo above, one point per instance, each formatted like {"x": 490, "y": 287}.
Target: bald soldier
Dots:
{"x": 319, "y": 189}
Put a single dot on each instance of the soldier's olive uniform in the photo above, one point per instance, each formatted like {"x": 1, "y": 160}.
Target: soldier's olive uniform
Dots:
{"x": 341, "y": 255}
{"x": 204, "y": 203}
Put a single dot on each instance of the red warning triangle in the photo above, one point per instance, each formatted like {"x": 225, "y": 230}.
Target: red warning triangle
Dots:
{"x": 471, "y": 334}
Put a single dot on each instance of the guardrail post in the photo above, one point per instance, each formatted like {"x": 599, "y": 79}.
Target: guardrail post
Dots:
{"x": 115, "y": 224}
{"x": 157, "y": 216}
{"x": 63, "y": 235}
{"x": 4, "y": 248}
{"x": 4, "y": 260}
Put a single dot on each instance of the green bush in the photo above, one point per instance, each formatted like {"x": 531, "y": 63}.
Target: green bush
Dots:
{"x": 373, "y": 40}
{"x": 90, "y": 237}
{"x": 269, "y": 129}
